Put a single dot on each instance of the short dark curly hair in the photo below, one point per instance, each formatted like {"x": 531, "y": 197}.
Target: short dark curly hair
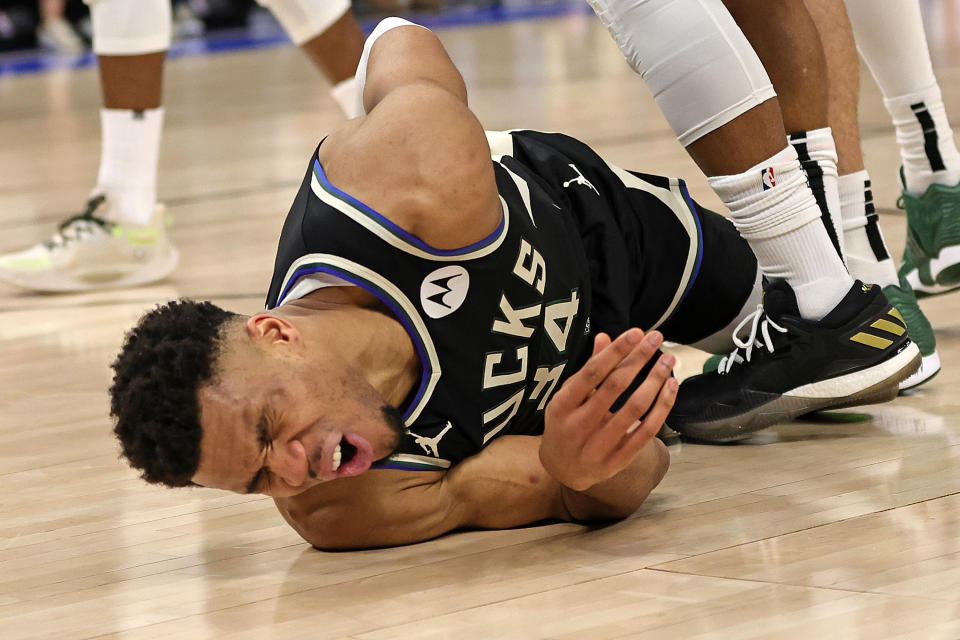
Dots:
{"x": 165, "y": 358}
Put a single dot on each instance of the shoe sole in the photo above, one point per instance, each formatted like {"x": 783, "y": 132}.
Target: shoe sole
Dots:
{"x": 879, "y": 383}
{"x": 922, "y": 290}
{"x": 945, "y": 271}
{"x": 929, "y": 368}
{"x": 95, "y": 280}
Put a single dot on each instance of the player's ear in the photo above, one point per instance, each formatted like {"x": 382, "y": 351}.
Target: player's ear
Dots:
{"x": 273, "y": 329}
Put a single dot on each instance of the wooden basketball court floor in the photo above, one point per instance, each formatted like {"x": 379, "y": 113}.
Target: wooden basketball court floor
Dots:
{"x": 844, "y": 525}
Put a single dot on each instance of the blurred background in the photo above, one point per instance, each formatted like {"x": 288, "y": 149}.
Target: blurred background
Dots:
{"x": 63, "y": 26}
{"x": 36, "y": 35}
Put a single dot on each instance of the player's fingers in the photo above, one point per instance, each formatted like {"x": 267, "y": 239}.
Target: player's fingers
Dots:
{"x": 579, "y": 386}
{"x": 624, "y": 374}
{"x": 600, "y": 342}
{"x": 639, "y": 433}
{"x": 609, "y": 438}
{"x": 644, "y": 395}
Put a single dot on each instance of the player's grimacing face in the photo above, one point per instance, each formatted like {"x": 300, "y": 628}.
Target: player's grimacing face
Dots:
{"x": 280, "y": 435}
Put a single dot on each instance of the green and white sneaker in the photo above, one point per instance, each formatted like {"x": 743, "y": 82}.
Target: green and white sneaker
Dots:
{"x": 90, "y": 252}
{"x": 931, "y": 259}
{"x": 918, "y": 328}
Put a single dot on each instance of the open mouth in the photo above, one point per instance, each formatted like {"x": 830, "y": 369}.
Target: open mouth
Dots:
{"x": 343, "y": 454}
{"x": 352, "y": 456}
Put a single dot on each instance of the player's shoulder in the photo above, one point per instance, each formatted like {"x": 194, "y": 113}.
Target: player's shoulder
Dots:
{"x": 420, "y": 158}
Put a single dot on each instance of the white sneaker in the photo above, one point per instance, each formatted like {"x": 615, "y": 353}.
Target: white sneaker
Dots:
{"x": 186, "y": 24}
{"x": 60, "y": 36}
{"x": 90, "y": 252}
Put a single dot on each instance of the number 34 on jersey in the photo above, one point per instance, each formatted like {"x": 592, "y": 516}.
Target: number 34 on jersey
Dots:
{"x": 506, "y": 368}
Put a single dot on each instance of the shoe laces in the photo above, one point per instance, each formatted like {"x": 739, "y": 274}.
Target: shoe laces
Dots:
{"x": 75, "y": 228}
{"x": 760, "y": 326}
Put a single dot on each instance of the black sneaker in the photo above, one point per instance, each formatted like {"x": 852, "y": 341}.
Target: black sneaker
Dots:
{"x": 789, "y": 366}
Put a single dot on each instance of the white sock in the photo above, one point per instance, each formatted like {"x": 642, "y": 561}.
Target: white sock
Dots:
{"x": 927, "y": 149}
{"x": 775, "y": 212}
{"x": 344, "y": 94}
{"x": 867, "y": 255}
{"x": 130, "y": 149}
{"x": 818, "y": 158}
{"x": 891, "y": 39}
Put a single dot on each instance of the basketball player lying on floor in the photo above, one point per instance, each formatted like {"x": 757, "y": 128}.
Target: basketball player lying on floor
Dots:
{"x": 448, "y": 340}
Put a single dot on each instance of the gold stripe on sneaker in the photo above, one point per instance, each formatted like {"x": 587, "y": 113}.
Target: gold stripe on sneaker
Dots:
{"x": 896, "y": 314}
{"x": 871, "y": 340}
{"x": 890, "y": 327}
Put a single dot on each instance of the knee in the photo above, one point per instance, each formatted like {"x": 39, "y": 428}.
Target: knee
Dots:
{"x": 654, "y": 37}
{"x": 124, "y": 28}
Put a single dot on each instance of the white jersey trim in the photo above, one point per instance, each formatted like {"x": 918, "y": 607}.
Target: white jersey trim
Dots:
{"x": 380, "y": 284}
{"x": 487, "y": 246}
{"x": 673, "y": 198}
{"x": 410, "y": 458}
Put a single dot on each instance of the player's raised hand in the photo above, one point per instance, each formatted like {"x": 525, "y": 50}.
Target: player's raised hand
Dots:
{"x": 584, "y": 442}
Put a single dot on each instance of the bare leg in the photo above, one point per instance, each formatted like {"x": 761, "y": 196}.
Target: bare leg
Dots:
{"x": 742, "y": 143}
{"x": 867, "y": 254}
{"x": 786, "y": 40}
{"x": 132, "y": 82}
{"x": 337, "y": 50}
{"x": 843, "y": 74}
{"x": 51, "y": 10}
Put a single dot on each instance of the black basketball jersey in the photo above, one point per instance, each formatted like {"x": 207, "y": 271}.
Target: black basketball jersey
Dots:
{"x": 498, "y": 325}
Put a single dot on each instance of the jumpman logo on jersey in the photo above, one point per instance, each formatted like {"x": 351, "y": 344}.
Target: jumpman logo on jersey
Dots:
{"x": 431, "y": 445}
{"x": 579, "y": 180}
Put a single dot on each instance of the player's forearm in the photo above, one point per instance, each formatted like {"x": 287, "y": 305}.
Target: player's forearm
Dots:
{"x": 622, "y": 494}
{"x": 507, "y": 486}
{"x": 405, "y": 55}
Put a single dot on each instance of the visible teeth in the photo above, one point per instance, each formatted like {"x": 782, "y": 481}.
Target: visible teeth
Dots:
{"x": 336, "y": 458}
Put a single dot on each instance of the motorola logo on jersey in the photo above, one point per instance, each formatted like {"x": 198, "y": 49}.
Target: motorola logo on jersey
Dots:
{"x": 443, "y": 291}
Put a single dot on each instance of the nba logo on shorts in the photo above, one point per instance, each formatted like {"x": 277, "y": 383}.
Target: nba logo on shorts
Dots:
{"x": 769, "y": 180}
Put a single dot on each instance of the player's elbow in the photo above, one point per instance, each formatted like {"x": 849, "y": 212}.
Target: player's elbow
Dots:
{"x": 321, "y": 528}
{"x": 627, "y": 493}
{"x": 661, "y": 461}
{"x": 657, "y": 463}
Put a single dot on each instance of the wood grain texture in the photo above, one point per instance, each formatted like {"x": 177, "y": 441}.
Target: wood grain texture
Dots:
{"x": 845, "y": 525}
